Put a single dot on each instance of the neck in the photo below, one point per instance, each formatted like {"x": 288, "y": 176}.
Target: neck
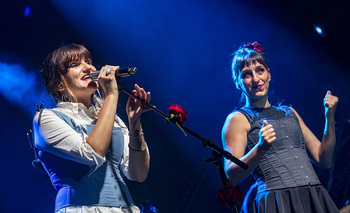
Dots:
{"x": 260, "y": 103}
{"x": 85, "y": 101}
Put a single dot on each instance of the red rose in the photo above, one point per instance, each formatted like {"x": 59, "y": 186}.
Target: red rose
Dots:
{"x": 230, "y": 194}
{"x": 255, "y": 46}
{"x": 177, "y": 113}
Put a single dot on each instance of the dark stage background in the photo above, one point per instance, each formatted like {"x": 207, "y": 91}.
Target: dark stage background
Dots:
{"x": 182, "y": 50}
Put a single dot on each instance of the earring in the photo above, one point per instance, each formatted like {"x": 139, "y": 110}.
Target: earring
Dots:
{"x": 66, "y": 97}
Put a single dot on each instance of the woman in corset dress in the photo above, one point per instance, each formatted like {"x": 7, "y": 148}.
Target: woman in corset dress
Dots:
{"x": 85, "y": 148}
{"x": 275, "y": 142}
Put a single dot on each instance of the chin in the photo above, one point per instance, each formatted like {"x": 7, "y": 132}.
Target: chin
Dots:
{"x": 257, "y": 96}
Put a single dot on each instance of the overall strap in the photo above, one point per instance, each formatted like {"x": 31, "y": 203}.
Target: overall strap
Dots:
{"x": 70, "y": 122}
{"x": 36, "y": 162}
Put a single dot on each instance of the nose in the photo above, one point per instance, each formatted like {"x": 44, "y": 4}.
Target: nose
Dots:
{"x": 255, "y": 77}
{"x": 87, "y": 67}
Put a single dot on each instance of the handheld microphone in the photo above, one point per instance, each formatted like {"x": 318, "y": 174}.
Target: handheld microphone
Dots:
{"x": 122, "y": 72}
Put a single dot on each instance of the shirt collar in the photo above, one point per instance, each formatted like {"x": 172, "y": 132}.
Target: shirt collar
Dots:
{"x": 77, "y": 108}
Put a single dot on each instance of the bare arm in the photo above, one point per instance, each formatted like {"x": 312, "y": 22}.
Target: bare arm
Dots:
{"x": 100, "y": 136}
{"x": 322, "y": 152}
{"x": 234, "y": 137}
{"x": 138, "y": 161}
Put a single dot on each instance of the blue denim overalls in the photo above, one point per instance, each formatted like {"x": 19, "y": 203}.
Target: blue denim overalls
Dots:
{"x": 78, "y": 186}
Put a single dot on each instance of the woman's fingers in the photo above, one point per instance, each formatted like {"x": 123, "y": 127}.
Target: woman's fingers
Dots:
{"x": 146, "y": 96}
{"x": 140, "y": 92}
{"x": 108, "y": 71}
{"x": 148, "y": 99}
{"x": 330, "y": 100}
{"x": 268, "y": 132}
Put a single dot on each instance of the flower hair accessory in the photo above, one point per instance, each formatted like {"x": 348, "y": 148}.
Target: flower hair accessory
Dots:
{"x": 177, "y": 115}
{"x": 255, "y": 46}
{"x": 230, "y": 195}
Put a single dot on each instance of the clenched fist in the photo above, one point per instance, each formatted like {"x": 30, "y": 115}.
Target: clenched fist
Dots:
{"x": 330, "y": 102}
{"x": 267, "y": 136}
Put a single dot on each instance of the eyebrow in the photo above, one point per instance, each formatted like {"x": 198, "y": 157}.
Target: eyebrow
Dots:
{"x": 246, "y": 70}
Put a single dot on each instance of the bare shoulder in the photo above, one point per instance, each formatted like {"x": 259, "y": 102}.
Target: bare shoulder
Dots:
{"x": 236, "y": 120}
{"x": 235, "y": 129}
{"x": 297, "y": 114}
{"x": 294, "y": 110}
{"x": 234, "y": 133}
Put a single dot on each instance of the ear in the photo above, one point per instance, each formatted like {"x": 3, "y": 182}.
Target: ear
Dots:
{"x": 269, "y": 74}
{"x": 60, "y": 87}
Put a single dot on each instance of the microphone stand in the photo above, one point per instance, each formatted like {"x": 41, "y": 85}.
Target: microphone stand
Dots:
{"x": 216, "y": 159}
{"x": 205, "y": 142}
{"x": 218, "y": 152}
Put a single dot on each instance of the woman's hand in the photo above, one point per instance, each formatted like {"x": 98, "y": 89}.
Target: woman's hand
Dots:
{"x": 330, "y": 102}
{"x": 267, "y": 136}
{"x": 107, "y": 81}
{"x": 134, "y": 107}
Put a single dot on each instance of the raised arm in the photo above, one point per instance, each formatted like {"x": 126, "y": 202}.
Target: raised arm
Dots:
{"x": 100, "y": 136}
{"x": 321, "y": 153}
{"x": 139, "y": 156}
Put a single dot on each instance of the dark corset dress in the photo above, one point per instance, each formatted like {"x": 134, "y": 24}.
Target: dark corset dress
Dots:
{"x": 286, "y": 179}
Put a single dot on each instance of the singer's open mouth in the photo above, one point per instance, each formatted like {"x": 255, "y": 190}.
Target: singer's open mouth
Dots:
{"x": 85, "y": 77}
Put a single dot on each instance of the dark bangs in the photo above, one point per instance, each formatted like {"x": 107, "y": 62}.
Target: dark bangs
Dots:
{"x": 67, "y": 54}
{"x": 245, "y": 57}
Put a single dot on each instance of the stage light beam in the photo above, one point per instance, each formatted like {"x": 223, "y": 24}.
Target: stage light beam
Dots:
{"x": 27, "y": 11}
{"x": 319, "y": 30}
{"x": 19, "y": 87}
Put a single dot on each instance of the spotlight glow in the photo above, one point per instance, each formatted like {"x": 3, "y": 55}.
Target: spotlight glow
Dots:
{"x": 319, "y": 30}
{"x": 27, "y": 11}
{"x": 19, "y": 85}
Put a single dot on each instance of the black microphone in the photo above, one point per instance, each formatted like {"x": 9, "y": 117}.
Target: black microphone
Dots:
{"x": 122, "y": 72}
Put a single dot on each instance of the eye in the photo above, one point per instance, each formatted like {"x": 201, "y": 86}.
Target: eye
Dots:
{"x": 246, "y": 75}
{"x": 261, "y": 70}
{"x": 73, "y": 65}
{"x": 88, "y": 62}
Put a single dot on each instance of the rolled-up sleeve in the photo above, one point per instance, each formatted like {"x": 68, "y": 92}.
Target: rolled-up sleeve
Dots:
{"x": 124, "y": 164}
{"x": 55, "y": 136}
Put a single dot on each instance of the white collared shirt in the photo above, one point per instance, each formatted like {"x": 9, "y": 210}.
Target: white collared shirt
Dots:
{"x": 58, "y": 138}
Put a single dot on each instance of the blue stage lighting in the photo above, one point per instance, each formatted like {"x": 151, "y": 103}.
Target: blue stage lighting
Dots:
{"x": 19, "y": 86}
{"x": 319, "y": 30}
{"x": 27, "y": 11}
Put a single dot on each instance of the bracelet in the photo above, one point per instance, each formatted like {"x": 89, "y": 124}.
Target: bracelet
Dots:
{"x": 137, "y": 150}
{"x": 136, "y": 136}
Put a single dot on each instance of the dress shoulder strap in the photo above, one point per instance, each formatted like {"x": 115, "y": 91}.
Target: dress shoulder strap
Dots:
{"x": 287, "y": 109}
